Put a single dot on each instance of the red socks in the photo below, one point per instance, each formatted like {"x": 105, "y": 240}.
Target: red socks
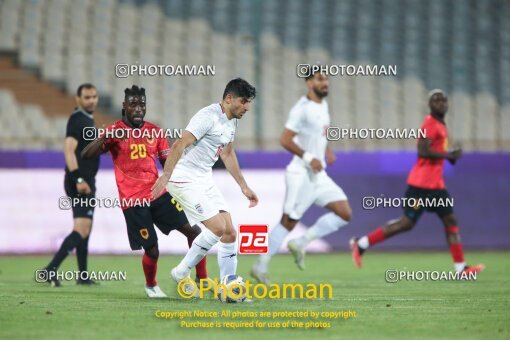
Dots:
{"x": 201, "y": 267}
{"x": 457, "y": 252}
{"x": 150, "y": 267}
{"x": 456, "y": 248}
{"x": 376, "y": 236}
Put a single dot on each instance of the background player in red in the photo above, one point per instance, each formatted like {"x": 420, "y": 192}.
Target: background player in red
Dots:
{"x": 425, "y": 181}
{"x": 135, "y": 173}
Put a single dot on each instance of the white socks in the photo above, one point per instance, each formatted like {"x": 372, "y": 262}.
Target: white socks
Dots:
{"x": 201, "y": 245}
{"x": 227, "y": 258}
{"x": 227, "y": 254}
{"x": 276, "y": 237}
{"x": 459, "y": 266}
{"x": 363, "y": 242}
{"x": 325, "y": 225}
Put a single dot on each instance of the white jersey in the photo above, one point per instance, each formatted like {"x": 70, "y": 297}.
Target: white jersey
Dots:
{"x": 213, "y": 131}
{"x": 310, "y": 121}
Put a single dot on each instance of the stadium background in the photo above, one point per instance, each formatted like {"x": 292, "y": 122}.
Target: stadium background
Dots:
{"x": 49, "y": 47}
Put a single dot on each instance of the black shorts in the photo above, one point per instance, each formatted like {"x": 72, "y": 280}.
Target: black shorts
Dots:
{"x": 84, "y": 208}
{"x": 440, "y": 196}
{"x": 140, "y": 221}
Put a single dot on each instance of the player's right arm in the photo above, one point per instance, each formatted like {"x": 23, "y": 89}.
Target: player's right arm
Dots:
{"x": 176, "y": 152}
{"x": 293, "y": 126}
{"x": 287, "y": 141}
{"x": 103, "y": 143}
{"x": 95, "y": 148}
{"x": 70, "y": 145}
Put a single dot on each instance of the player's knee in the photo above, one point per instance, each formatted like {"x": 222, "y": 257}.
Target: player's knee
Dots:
{"x": 190, "y": 232}
{"x": 406, "y": 224}
{"x": 153, "y": 252}
{"x": 218, "y": 228}
{"x": 83, "y": 226}
{"x": 453, "y": 238}
{"x": 450, "y": 221}
{"x": 195, "y": 231}
{"x": 84, "y": 232}
{"x": 229, "y": 236}
{"x": 288, "y": 223}
{"x": 345, "y": 214}
{"x": 452, "y": 233}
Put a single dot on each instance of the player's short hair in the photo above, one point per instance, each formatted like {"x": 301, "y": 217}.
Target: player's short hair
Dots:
{"x": 437, "y": 91}
{"x": 134, "y": 91}
{"x": 310, "y": 70}
{"x": 86, "y": 86}
{"x": 240, "y": 88}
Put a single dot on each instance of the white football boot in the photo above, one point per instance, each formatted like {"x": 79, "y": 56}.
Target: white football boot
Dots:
{"x": 298, "y": 252}
{"x": 154, "y": 292}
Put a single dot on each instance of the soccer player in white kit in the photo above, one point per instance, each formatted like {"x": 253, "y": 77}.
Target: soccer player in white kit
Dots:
{"x": 187, "y": 175}
{"x": 306, "y": 179}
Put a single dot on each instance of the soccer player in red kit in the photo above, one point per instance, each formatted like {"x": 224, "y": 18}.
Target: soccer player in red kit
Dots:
{"x": 135, "y": 144}
{"x": 426, "y": 181}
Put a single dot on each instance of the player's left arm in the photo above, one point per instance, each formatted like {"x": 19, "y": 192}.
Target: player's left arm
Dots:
{"x": 163, "y": 150}
{"x": 229, "y": 158}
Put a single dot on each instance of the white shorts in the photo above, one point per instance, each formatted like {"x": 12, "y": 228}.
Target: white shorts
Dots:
{"x": 305, "y": 189}
{"x": 200, "y": 201}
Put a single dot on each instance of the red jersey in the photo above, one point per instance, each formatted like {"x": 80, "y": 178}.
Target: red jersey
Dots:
{"x": 428, "y": 173}
{"x": 134, "y": 160}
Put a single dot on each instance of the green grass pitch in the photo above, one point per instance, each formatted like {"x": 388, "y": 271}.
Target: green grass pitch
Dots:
{"x": 119, "y": 310}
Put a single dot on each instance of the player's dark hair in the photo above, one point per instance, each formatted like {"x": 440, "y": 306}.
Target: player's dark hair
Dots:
{"x": 134, "y": 91}
{"x": 86, "y": 86}
{"x": 310, "y": 71}
{"x": 240, "y": 88}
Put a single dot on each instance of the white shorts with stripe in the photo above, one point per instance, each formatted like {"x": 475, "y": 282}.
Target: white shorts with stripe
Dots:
{"x": 305, "y": 188}
{"x": 200, "y": 201}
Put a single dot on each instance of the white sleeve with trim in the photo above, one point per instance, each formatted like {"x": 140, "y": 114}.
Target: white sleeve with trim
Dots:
{"x": 295, "y": 120}
{"x": 200, "y": 123}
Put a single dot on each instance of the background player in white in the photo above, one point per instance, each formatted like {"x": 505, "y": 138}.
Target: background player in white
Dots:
{"x": 306, "y": 180}
{"x": 188, "y": 177}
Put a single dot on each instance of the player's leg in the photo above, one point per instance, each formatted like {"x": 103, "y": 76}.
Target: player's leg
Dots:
{"x": 455, "y": 246}
{"x": 391, "y": 228}
{"x": 210, "y": 235}
{"x": 329, "y": 195}
{"x": 84, "y": 228}
{"x": 445, "y": 213}
{"x": 227, "y": 248}
{"x": 277, "y": 235}
{"x": 141, "y": 234}
{"x": 168, "y": 215}
{"x": 328, "y": 223}
{"x": 293, "y": 193}
{"x": 198, "y": 208}
{"x": 81, "y": 230}
{"x": 150, "y": 269}
{"x": 82, "y": 225}
{"x": 453, "y": 240}
{"x": 191, "y": 233}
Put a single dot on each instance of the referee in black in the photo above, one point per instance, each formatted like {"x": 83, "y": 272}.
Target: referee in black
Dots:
{"x": 79, "y": 182}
